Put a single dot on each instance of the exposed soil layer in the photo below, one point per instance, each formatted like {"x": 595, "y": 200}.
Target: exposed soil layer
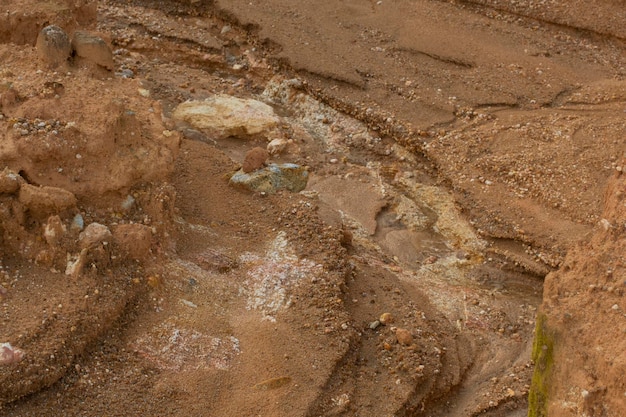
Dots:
{"x": 456, "y": 154}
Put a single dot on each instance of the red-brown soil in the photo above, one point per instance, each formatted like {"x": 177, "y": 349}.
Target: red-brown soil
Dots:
{"x": 458, "y": 153}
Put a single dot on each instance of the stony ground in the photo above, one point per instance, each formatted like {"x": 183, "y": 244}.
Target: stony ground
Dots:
{"x": 454, "y": 153}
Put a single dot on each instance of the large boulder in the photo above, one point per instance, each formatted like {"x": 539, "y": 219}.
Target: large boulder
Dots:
{"x": 223, "y": 116}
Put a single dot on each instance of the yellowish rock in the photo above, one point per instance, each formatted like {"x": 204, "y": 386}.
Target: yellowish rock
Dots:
{"x": 223, "y": 116}
{"x": 386, "y": 318}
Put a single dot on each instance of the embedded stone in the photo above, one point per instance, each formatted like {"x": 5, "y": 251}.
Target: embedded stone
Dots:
{"x": 272, "y": 178}
{"x": 54, "y": 230}
{"x": 404, "y": 337}
{"x": 94, "y": 234}
{"x": 9, "y": 182}
{"x": 44, "y": 201}
{"x": 54, "y": 45}
{"x": 133, "y": 240}
{"x": 93, "y": 48}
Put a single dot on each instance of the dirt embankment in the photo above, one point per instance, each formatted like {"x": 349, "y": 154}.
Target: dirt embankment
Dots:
{"x": 582, "y": 322}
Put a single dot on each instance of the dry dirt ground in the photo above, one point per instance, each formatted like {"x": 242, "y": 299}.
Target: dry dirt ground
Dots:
{"x": 459, "y": 154}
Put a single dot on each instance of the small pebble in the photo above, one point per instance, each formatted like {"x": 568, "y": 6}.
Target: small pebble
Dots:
{"x": 386, "y": 318}
{"x": 374, "y": 325}
{"x": 404, "y": 337}
{"x": 77, "y": 223}
{"x": 128, "y": 203}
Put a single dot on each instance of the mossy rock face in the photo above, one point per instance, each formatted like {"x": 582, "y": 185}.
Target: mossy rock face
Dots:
{"x": 543, "y": 350}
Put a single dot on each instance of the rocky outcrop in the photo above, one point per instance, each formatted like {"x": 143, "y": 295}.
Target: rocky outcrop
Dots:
{"x": 21, "y": 21}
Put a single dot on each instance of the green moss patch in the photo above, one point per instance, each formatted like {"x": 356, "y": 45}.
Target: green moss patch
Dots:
{"x": 543, "y": 357}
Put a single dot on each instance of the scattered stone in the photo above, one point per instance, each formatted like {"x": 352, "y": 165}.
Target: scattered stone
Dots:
{"x": 9, "y": 182}
{"x": 44, "y": 201}
{"x": 188, "y": 303}
{"x": 8, "y": 97}
{"x": 224, "y": 116}
{"x": 54, "y": 230}
{"x": 404, "y": 336}
{"x": 276, "y": 146}
{"x": 45, "y": 257}
{"x": 125, "y": 73}
{"x": 78, "y": 223}
{"x": 346, "y": 237}
{"x": 93, "y": 235}
{"x": 430, "y": 260}
{"x": 374, "y": 325}
{"x": 272, "y": 178}
{"x": 193, "y": 134}
{"x": 92, "y": 48}
{"x": 386, "y": 318}
{"x": 255, "y": 158}
{"x": 54, "y": 45}
{"x": 214, "y": 260}
{"x": 3, "y": 292}
{"x": 273, "y": 383}
{"x": 128, "y": 203}
{"x": 75, "y": 266}
{"x": 606, "y": 225}
{"x": 133, "y": 240}
{"x": 9, "y": 354}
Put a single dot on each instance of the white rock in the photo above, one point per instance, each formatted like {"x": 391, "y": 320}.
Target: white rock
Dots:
{"x": 75, "y": 267}
{"x": 54, "y": 230}
{"x": 224, "y": 116}
{"x": 276, "y": 146}
{"x": 9, "y": 354}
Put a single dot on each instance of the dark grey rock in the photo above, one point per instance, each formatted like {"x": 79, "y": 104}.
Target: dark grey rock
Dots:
{"x": 54, "y": 46}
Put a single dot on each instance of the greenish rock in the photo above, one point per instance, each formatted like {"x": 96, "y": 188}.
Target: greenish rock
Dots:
{"x": 272, "y": 178}
{"x": 542, "y": 355}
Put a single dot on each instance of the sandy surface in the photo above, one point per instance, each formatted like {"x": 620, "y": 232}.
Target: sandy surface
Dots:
{"x": 457, "y": 154}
